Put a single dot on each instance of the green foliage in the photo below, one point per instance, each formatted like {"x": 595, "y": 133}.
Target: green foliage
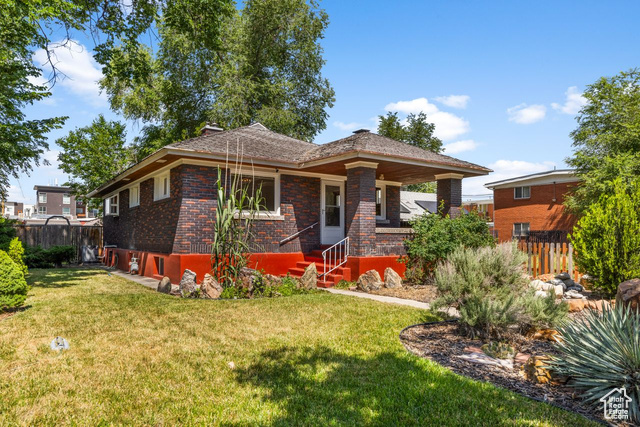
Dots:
{"x": 489, "y": 288}
{"x": 7, "y": 232}
{"x": 606, "y": 238}
{"x": 344, "y": 284}
{"x": 602, "y": 353}
{"x": 94, "y": 154}
{"x": 16, "y": 253}
{"x": 607, "y": 139}
{"x": 238, "y": 208}
{"x": 36, "y": 257}
{"x": 498, "y": 350}
{"x": 418, "y": 131}
{"x": 13, "y": 286}
{"x": 435, "y": 237}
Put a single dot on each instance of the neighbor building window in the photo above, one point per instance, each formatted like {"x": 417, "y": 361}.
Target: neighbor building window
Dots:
{"x": 380, "y": 202}
{"x": 79, "y": 211}
{"x": 267, "y": 186}
{"x": 522, "y": 192}
{"x": 162, "y": 186}
{"x": 111, "y": 205}
{"x": 42, "y": 210}
{"x": 42, "y": 197}
{"x": 134, "y": 196}
{"x": 66, "y": 211}
{"x": 521, "y": 229}
{"x": 66, "y": 199}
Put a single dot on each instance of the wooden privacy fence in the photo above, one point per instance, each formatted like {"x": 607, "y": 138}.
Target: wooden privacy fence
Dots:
{"x": 550, "y": 258}
{"x": 57, "y": 234}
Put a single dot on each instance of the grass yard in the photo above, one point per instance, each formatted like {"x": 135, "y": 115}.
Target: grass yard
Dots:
{"x": 140, "y": 357}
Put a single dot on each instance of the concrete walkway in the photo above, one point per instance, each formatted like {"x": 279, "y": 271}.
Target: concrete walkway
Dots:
{"x": 142, "y": 280}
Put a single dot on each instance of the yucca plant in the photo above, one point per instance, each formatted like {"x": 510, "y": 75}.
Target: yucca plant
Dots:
{"x": 238, "y": 207}
{"x": 602, "y": 353}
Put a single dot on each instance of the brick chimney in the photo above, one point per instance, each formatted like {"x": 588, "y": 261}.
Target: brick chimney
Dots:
{"x": 210, "y": 128}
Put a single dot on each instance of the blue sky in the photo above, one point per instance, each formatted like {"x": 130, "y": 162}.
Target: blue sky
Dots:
{"x": 501, "y": 80}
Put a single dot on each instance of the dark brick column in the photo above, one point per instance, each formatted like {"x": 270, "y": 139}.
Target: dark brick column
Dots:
{"x": 450, "y": 191}
{"x": 361, "y": 207}
{"x": 393, "y": 205}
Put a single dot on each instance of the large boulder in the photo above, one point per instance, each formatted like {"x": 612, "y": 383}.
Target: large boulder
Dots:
{"x": 563, "y": 276}
{"x": 370, "y": 281}
{"x": 628, "y": 294}
{"x": 164, "y": 285}
{"x": 210, "y": 287}
{"x": 559, "y": 291}
{"x": 309, "y": 279}
{"x": 539, "y": 285}
{"x": 392, "y": 279}
{"x": 246, "y": 278}
{"x": 188, "y": 284}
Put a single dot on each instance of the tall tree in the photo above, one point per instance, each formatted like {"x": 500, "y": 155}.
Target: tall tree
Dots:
{"x": 417, "y": 131}
{"x": 118, "y": 27}
{"x": 607, "y": 140}
{"x": 266, "y": 67}
{"x": 94, "y": 154}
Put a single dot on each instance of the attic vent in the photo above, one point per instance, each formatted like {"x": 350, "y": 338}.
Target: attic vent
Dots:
{"x": 361, "y": 131}
{"x": 210, "y": 128}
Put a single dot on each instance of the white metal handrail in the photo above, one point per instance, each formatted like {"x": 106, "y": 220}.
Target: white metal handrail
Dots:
{"x": 337, "y": 253}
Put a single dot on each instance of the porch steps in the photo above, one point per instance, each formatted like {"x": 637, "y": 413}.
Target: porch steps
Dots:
{"x": 329, "y": 280}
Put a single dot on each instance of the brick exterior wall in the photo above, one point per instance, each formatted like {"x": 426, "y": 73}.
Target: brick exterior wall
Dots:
{"x": 393, "y": 205}
{"x": 391, "y": 243}
{"x": 450, "y": 190}
{"x": 539, "y": 210}
{"x": 54, "y": 203}
{"x": 361, "y": 210}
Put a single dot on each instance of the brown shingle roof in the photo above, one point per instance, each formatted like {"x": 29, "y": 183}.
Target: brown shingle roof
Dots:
{"x": 258, "y": 142}
{"x": 368, "y": 142}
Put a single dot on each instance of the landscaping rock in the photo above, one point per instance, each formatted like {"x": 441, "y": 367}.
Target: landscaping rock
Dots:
{"x": 598, "y": 305}
{"x": 569, "y": 283}
{"x": 272, "y": 280}
{"x": 557, "y": 282}
{"x": 210, "y": 287}
{"x": 309, "y": 279}
{"x": 563, "y": 276}
{"x": 541, "y": 294}
{"x": 585, "y": 280}
{"x": 392, "y": 279}
{"x": 164, "y": 285}
{"x": 540, "y": 285}
{"x": 246, "y": 278}
{"x": 370, "y": 281}
{"x": 188, "y": 283}
{"x": 559, "y": 290}
{"x": 576, "y": 287}
{"x": 546, "y": 335}
{"x": 536, "y": 370}
{"x": 575, "y": 305}
{"x": 175, "y": 291}
{"x": 629, "y": 294}
{"x": 483, "y": 359}
{"x": 573, "y": 294}
{"x": 521, "y": 358}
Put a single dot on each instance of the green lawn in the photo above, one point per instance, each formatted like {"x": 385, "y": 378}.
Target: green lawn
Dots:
{"x": 140, "y": 357}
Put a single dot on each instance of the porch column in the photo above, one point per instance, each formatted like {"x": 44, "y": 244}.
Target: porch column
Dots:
{"x": 450, "y": 192}
{"x": 360, "y": 207}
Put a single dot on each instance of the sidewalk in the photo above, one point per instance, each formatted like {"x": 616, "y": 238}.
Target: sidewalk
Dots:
{"x": 142, "y": 280}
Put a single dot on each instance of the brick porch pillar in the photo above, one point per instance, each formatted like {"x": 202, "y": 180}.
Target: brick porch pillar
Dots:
{"x": 360, "y": 207}
{"x": 450, "y": 192}
{"x": 393, "y": 206}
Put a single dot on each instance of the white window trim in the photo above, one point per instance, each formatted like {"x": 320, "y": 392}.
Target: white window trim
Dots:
{"x": 132, "y": 202}
{"x": 108, "y": 205}
{"x": 68, "y": 202}
{"x": 264, "y": 214}
{"x": 383, "y": 201}
{"x": 157, "y": 183}
{"x": 42, "y": 199}
{"x": 522, "y": 187}
{"x": 521, "y": 223}
{"x": 40, "y": 208}
{"x": 66, "y": 207}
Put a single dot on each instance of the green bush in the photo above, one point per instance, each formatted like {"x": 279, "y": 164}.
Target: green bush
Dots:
{"x": 61, "y": 254}
{"x": 435, "y": 237}
{"x": 7, "y": 232}
{"x": 606, "y": 238}
{"x": 489, "y": 288}
{"x": 602, "y": 353}
{"x": 16, "y": 253}
{"x": 13, "y": 286}
{"x": 36, "y": 257}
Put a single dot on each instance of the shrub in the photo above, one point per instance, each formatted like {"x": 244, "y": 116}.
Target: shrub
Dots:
{"x": 602, "y": 353}
{"x": 59, "y": 254}
{"x": 498, "y": 350}
{"x": 606, "y": 238}
{"x": 435, "y": 237}
{"x": 7, "y": 232}
{"x": 36, "y": 257}
{"x": 13, "y": 286}
{"x": 490, "y": 289}
{"x": 16, "y": 253}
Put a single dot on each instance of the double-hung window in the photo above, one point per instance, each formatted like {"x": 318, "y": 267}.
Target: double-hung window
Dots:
{"x": 522, "y": 192}
{"x": 111, "y": 205}
{"x": 66, "y": 199}
{"x": 134, "y": 196}
{"x": 162, "y": 186}
{"x": 266, "y": 185}
{"x": 42, "y": 197}
{"x": 520, "y": 229}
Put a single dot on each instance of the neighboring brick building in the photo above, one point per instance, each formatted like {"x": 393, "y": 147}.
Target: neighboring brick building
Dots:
{"x": 162, "y": 209}
{"x": 532, "y": 203}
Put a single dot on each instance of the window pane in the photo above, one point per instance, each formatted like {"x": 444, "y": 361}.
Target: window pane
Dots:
{"x": 378, "y": 201}
{"x": 526, "y": 192}
{"x": 332, "y": 206}
{"x": 66, "y": 199}
{"x": 252, "y": 184}
{"x": 332, "y": 216}
{"x": 66, "y": 211}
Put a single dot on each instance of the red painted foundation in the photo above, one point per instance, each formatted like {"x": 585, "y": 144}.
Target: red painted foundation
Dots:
{"x": 151, "y": 264}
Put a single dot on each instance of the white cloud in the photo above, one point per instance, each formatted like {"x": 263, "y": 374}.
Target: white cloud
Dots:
{"x": 460, "y": 146}
{"x": 503, "y": 169}
{"x": 347, "y": 126}
{"x": 448, "y": 126}
{"x": 574, "y": 101}
{"x": 526, "y": 114}
{"x": 81, "y": 71}
{"x": 454, "y": 101}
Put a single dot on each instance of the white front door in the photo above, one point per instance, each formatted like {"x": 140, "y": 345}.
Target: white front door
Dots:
{"x": 332, "y": 212}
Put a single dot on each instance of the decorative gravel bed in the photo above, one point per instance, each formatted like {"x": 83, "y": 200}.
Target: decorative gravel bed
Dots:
{"x": 442, "y": 343}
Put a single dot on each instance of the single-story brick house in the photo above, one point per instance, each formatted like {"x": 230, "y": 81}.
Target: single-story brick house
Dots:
{"x": 533, "y": 203}
{"x": 161, "y": 209}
